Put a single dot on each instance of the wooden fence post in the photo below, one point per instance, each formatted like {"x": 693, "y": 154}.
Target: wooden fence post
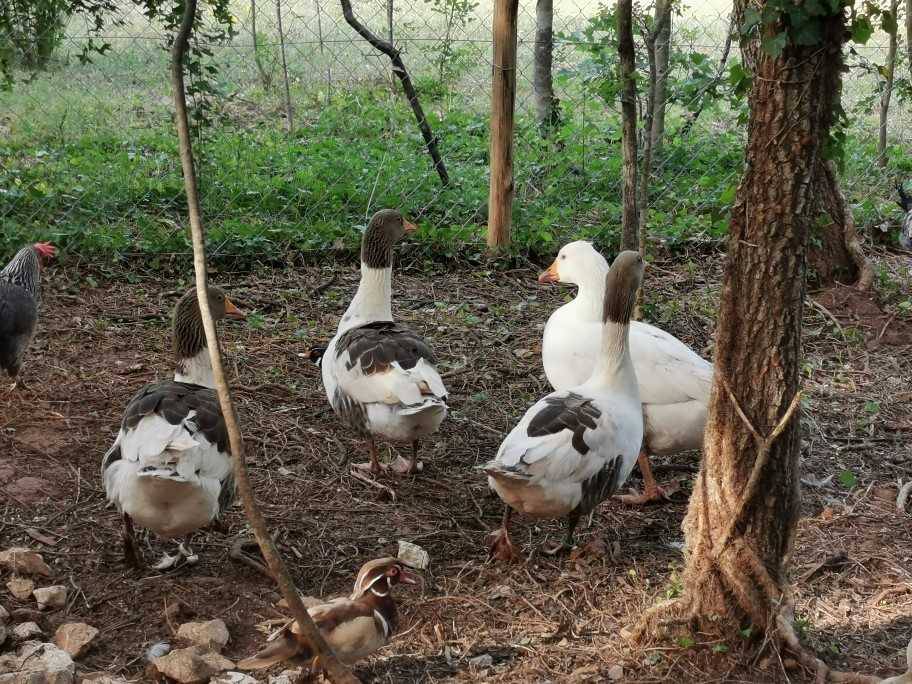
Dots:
{"x": 503, "y": 100}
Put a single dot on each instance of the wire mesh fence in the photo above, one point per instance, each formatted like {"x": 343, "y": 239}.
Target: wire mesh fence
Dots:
{"x": 306, "y": 130}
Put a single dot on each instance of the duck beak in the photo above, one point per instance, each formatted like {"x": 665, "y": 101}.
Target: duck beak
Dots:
{"x": 551, "y": 275}
{"x": 231, "y": 311}
{"x": 409, "y": 226}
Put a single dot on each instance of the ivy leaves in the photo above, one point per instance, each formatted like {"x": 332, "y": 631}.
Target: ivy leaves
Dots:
{"x": 779, "y": 23}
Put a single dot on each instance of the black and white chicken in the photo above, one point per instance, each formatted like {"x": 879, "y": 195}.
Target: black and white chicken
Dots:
{"x": 20, "y": 299}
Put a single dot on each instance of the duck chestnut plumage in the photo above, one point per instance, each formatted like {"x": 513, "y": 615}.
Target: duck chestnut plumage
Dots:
{"x": 354, "y": 627}
{"x": 20, "y": 301}
{"x": 169, "y": 469}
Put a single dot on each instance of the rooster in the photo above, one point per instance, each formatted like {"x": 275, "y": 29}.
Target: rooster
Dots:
{"x": 20, "y": 297}
{"x": 905, "y": 228}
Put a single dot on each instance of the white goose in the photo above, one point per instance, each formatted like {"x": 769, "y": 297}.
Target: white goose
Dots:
{"x": 169, "y": 469}
{"x": 577, "y": 446}
{"x": 379, "y": 376}
{"x": 674, "y": 381}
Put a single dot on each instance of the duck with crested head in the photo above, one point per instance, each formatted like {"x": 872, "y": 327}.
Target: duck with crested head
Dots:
{"x": 379, "y": 375}
{"x": 169, "y": 469}
{"x": 674, "y": 381}
{"x": 353, "y": 626}
{"x": 577, "y": 446}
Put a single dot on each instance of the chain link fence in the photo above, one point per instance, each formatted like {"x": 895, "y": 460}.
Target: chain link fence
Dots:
{"x": 304, "y": 130}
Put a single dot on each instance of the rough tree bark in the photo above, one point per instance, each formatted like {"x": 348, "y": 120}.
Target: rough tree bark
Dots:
{"x": 310, "y": 634}
{"x": 407, "y": 87}
{"x": 662, "y": 16}
{"x": 627, "y": 76}
{"x": 909, "y": 37}
{"x": 887, "y": 93}
{"x": 662, "y": 43}
{"x": 742, "y": 517}
{"x": 503, "y": 102}
{"x": 546, "y": 104}
{"x": 835, "y": 253}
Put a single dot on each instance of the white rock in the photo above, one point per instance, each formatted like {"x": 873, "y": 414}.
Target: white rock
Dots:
{"x": 25, "y": 561}
{"x": 233, "y": 678}
{"x": 157, "y": 650}
{"x": 188, "y": 665}
{"x": 38, "y": 663}
{"x": 616, "y": 673}
{"x": 51, "y": 597}
{"x": 75, "y": 637}
{"x": 20, "y": 587}
{"x": 285, "y": 677}
{"x": 101, "y": 678}
{"x": 212, "y": 635}
{"x": 26, "y": 630}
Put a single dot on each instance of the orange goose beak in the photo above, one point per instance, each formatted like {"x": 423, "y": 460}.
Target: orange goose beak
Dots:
{"x": 409, "y": 226}
{"x": 551, "y": 275}
{"x": 231, "y": 311}
{"x": 406, "y": 576}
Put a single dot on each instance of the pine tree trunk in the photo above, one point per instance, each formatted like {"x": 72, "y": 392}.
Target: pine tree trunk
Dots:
{"x": 546, "y": 112}
{"x": 662, "y": 62}
{"x": 627, "y": 76}
{"x": 742, "y": 517}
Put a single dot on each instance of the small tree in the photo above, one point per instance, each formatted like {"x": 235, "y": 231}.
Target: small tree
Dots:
{"x": 30, "y": 31}
{"x": 547, "y": 111}
{"x": 743, "y": 514}
{"x": 627, "y": 77}
{"x": 890, "y": 26}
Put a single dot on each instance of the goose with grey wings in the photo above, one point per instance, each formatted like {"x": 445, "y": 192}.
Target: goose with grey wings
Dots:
{"x": 169, "y": 469}
{"x": 674, "y": 381}
{"x": 577, "y": 446}
{"x": 380, "y": 376}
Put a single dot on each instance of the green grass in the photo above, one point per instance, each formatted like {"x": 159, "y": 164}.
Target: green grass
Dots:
{"x": 90, "y": 161}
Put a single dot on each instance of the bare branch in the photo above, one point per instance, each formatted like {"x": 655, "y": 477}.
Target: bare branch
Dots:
{"x": 310, "y": 634}
{"x": 411, "y": 94}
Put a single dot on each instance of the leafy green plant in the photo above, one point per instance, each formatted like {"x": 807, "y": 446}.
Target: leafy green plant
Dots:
{"x": 30, "y": 31}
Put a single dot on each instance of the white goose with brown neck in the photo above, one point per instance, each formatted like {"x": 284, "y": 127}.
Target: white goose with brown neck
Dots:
{"x": 674, "y": 382}
{"x": 577, "y": 446}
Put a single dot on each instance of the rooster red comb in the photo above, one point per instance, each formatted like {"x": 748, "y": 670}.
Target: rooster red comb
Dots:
{"x": 45, "y": 249}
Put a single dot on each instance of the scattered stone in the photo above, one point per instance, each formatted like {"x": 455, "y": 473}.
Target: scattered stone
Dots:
{"x": 285, "y": 677}
{"x": 101, "y": 678}
{"x": 211, "y": 635}
{"x": 501, "y": 591}
{"x": 481, "y": 662}
{"x": 615, "y": 673}
{"x": 4, "y": 615}
{"x": 25, "y": 561}
{"x": 188, "y": 665}
{"x": 233, "y": 678}
{"x": 75, "y": 637}
{"x": 27, "y": 630}
{"x": 38, "y": 663}
{"x": 20, "y": 587}
{"x": 51, "y": 597}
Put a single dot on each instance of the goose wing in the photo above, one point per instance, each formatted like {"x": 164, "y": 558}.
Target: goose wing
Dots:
{"x": 385, "y": 362}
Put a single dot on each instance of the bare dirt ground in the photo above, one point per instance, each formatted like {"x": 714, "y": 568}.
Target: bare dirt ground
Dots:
{"x": 546, "y": 619}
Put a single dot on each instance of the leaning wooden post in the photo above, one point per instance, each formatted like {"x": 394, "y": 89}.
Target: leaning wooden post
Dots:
{"x": 503, "y": 100}
{"x": 336, "y": 672}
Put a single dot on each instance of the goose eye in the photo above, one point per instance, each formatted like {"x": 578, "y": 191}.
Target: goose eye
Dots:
{"x": 393, "y": 571}
{"x": 563, "y": 256}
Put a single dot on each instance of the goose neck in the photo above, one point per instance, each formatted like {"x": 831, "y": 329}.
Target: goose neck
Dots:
{"x": 372, "y": 301}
